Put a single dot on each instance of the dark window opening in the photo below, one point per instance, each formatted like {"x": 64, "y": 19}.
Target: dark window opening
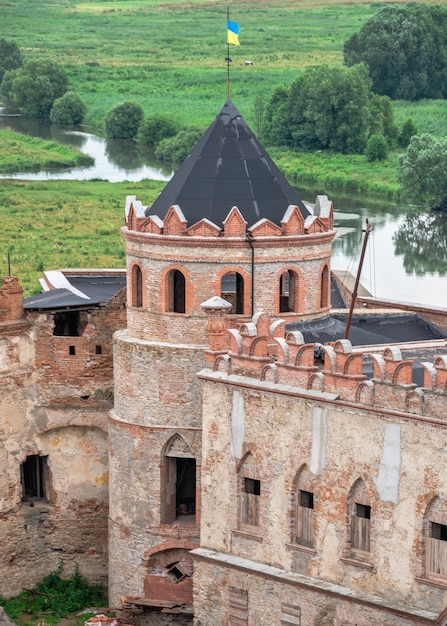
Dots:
{"x": 137, "y": 287}
{"x": 71, "y": 350}
{"x": 176, "y": 572}
{"x": 232, "y": 290}
{"x": 324, "y": 287}
{"x": 69, "y": 324}
{"x": 287, "y": 292}
{"x": 307, "y": 499}
{"x": 33, "y": 476}
{"x": 252, "y": 486}
{"x": 363, "y": 510}
{"x": 176, "y": 292}
{"x": 98, "y": 349}
{"x": 438, "y": 531}
{"x": 185, "y": 492}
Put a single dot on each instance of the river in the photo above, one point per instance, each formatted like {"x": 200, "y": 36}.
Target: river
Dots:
{"x": 406, "y": 258}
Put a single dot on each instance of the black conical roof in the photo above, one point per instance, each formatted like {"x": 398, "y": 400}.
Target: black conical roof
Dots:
{"x": 228, "y": 167}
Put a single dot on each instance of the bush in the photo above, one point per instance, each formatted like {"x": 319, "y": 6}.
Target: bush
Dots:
{"x": 69, "y": 109}
{"x": 55, "y": 596}
{"x": 10, "y": 57}
{"x": 34, "y": 87}
{"x": 124, "y": 120}
{"x": 407, "y": 132}
{"x": 156, "y": 128}
{"x": 176, "y": 149}
{"x": 376, "y": 148}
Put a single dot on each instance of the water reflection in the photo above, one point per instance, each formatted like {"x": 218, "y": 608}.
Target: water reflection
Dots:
{"x": 116, "y": 160}
{"x": 421, "y": 240}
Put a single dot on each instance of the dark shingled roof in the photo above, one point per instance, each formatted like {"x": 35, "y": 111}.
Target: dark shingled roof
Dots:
{"x": 228, "y": 167}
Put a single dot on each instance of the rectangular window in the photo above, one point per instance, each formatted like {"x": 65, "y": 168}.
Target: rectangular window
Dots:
{"x": 251, "y": 491}
{"x": 436, "y": 550}
{"x": 304, "y": 518}
{"x": 71, "y": 350}
{"x": 33, "y": 474}
{"x": 290, "y": 615}
{"x": 98, "y": 349}
{"x": 361, "y": 527}
{"x": 238, "y": 607}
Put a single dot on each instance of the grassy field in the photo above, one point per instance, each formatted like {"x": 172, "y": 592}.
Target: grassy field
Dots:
{"x": 20, "y": 153}
{"x": 56, "y": 224}
{"x": 168, "y": 55}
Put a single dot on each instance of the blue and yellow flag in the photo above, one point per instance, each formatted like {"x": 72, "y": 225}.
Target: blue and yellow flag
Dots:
{"x": 233, "y": 33}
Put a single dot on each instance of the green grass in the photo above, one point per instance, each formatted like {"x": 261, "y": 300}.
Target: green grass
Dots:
{"x": 56, "y": 224}
{"x": 169, "y": 56}
{"x": 21, "y": 153}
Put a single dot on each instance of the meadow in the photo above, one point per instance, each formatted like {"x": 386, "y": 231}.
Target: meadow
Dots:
{"x": 168, "y": 55}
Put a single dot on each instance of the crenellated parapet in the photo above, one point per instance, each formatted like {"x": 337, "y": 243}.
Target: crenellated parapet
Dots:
{"x": 263, "y": 350}
{"x": 174, "y": 223}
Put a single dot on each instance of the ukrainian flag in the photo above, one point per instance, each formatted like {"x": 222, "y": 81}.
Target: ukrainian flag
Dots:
{"x": 233, "y": 33}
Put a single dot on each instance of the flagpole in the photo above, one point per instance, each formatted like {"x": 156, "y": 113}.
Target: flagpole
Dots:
{"x": 228, "y": 56}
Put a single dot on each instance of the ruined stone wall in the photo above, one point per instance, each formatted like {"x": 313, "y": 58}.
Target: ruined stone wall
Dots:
{"x": 273, "y": 598}
{"x": 157, "y": 402}
{"x": 54, "y": 410}
{"x": 279, "y": 432}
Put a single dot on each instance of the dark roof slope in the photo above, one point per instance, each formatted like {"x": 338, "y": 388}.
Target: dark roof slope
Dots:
{"x": 369, "y": 329}
{"x": 97, "y": 289}
{"x": 228, "y": 167}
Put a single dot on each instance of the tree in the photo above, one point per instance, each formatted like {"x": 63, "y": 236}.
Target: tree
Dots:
{"x": 10, "y": 56}
{"x": 406, "y": 133}
{"x": 155, "y": 128}
{"x": 405, "y": 49}
{"x": 325, "y": 108}
{"x": 376, "y": 148}
{"x": 176, "y": 149}
{"x": 35, "y": 87}
{"x": 69, "y": 109}
{"x": 422, "y": 171}
{"x": 123, "y": 121}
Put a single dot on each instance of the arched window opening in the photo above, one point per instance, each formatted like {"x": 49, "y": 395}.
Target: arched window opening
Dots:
{"x": 178, "y": 483}
{"x": 303, "y": 509}
{"x": 436, "y": 540}
{"x": 360, "y": 513}
{"x": 324, "y": 288}
{"x": 34, "y": 477}
{"x": 232, "y": 290}
{"x": 288, "y": 285}
{"x": 137, "y": 287}
{"x": 176, "y": 292}
{"x": 249, "y": 493}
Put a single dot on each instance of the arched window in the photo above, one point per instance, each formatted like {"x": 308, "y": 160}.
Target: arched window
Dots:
{"x": 137, "y": 287}
{"x": 288, "y": 292}
{"x": 176, "y": 292}
{"x": 303, "y": 509}
{"x": 324, "y": 288}
{"x": 178, "y": 482}
{"x": 360, "y": 518}
{"x": 232, "y": 290}
{"x": 250, "y": 493}
{"x": 435, "y": 531}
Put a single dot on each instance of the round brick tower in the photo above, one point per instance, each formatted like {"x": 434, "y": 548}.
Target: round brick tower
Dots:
{"x": 228, "y": 224}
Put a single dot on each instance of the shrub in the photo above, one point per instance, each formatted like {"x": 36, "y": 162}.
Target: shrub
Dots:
{"x": 69, "y": 109}
{"x": 376, "y": 148}
{"x": 408, "y": 130}
{"x": 176, "y": 149}
{"x": 123, "y": 121}
{"x": 156, "y": 128}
